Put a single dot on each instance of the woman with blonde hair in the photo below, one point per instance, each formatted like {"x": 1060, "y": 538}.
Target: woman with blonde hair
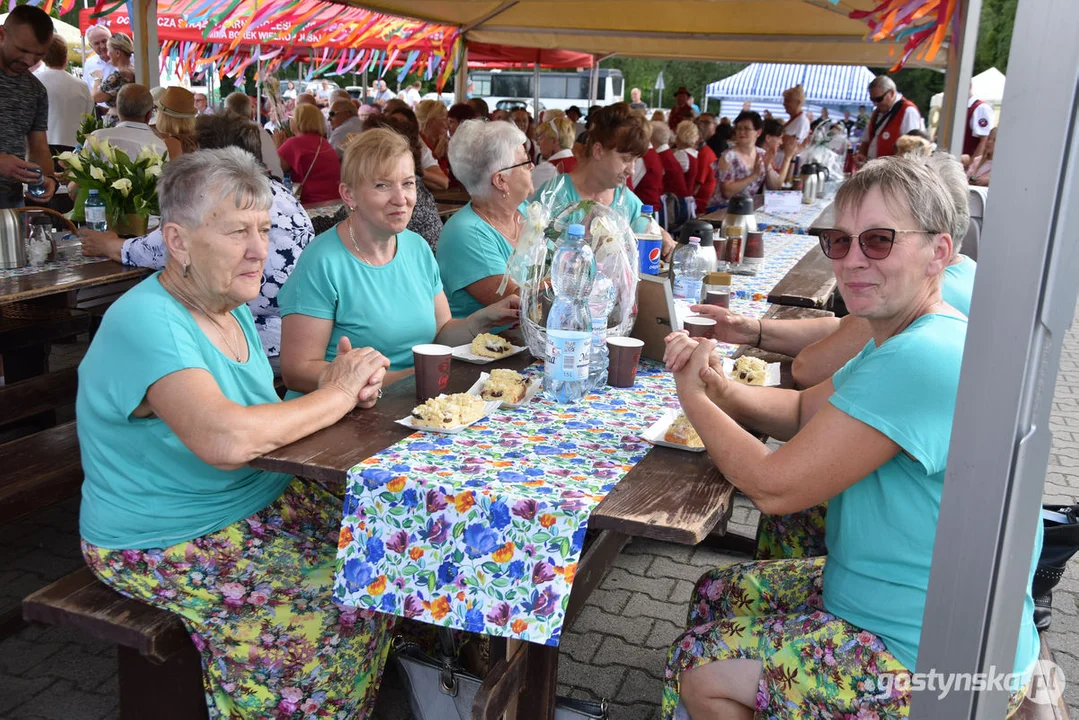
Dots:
{"x": 555, "y": 139}
{"x": 370, "y": 278}
{"x": 433, "y": 119}
{"x": 176, "y": 115}
{"x": 308, "y": 155}
{"x": 121, "y": 48}
{"x": 686, "y": 138}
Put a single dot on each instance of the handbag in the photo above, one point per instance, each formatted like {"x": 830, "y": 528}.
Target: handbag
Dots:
{"x": 1060, "y": 526}
{"x": 441, "y": 690}
{"x": 297, "y": 190}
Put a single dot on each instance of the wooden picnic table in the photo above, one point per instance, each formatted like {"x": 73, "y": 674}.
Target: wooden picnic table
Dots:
{"x": 810, "y": 283}
{"x": 446, "y": 210}
{"x": 20, "y": 288}
{"x": 452, "y": 196}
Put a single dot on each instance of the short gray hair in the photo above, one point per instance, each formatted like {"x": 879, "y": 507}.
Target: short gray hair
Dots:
{"x": 134, "y": 102}
{"x": 882, "y": 82}
{"x": 193, "y": 183}
{"x": 933, "y": 189}
{"x": 98, "y": 29}
{"x": 479, "y": 149}
{"x": 239, "y": 103}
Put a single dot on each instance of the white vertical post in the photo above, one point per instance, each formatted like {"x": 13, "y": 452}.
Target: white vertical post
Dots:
{"x": 258, "y": 81}
{"x": 460, "y": 84}
{"x": 957, "y": 80}
{"x": 1001, "y": 438}
{"x": 144, "y": 37}
{"x": 593, "y": 86}
{"x": 536, "y": 90}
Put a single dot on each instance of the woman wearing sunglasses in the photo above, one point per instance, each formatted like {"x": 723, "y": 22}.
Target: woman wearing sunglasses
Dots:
{"x": 811, "y": 637}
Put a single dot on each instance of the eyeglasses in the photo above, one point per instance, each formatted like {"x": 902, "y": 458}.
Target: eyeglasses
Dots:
{"x": 876, "y": 243}
{"x": 877, "y": 99}
{"x": 527, "y": 163}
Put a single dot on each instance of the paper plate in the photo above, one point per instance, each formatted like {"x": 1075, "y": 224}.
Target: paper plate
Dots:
{"x": 655, "y": 432}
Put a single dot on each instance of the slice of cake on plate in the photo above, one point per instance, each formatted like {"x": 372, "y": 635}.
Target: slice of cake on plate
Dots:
{"x": 448, "y": 411}
{"x": 749, "y": 370}
{"x": 492, "y": 346}
{"x": 509, "y": 386}
{"x": 682, "y": 433}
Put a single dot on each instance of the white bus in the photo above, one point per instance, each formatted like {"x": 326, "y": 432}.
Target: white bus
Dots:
{"x": 558, "y": 90}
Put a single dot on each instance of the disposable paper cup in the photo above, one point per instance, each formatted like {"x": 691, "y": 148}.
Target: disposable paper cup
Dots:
{"x": 624, "y": 355}
{"x": 432, "y": 369}
{"x": 699, "y": 326}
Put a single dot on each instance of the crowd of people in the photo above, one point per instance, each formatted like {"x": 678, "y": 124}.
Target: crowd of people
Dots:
{"x": 176, "y": 393}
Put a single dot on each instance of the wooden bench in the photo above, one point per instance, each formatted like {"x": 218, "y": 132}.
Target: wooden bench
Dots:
{"x": 44, "y": 467}
{"x": 160, "y": 669}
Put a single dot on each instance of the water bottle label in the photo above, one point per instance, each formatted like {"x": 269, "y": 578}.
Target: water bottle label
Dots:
{"x": 95, "y": 214}
{"x": 688, "y": 288}
{"x": 568, "y": 355}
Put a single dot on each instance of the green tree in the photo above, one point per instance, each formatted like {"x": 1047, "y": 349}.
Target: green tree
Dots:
{"x": 692, "y": 75}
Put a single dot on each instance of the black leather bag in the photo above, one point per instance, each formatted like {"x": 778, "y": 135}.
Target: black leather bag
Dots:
{"x": 1060, "y": 524}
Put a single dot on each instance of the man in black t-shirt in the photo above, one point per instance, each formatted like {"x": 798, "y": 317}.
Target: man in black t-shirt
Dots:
{"x": 24, "y": 106}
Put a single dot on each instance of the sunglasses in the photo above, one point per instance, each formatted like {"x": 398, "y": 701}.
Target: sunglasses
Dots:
{"x": 876, "y": 243}
{"x": 526, "y": 163}
{"x": 877, "y": 99}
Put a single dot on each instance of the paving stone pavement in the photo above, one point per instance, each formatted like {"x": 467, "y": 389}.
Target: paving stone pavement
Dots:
{"x": 615, "y": 651}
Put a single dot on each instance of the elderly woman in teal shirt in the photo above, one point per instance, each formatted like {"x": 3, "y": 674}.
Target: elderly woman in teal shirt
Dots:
{"x": 811, "y": 637}
{"x": 476, "y": 243}
{"x": 369, "y": 279}
{"x": 175, "y": 398}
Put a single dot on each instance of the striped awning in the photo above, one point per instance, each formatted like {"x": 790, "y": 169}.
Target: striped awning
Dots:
{"x": 823, "y": 84}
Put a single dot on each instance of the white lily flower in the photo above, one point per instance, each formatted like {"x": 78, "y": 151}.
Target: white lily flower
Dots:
{"x": 97, "y": 173}
{"x": 123, "y": 185}
{"x": 153, "y": 171}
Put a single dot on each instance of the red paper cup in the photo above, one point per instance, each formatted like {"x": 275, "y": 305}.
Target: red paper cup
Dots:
{"x": 624, "y": 355}
{"x": 700, "y": 326}
{"x": 432, "y": 369}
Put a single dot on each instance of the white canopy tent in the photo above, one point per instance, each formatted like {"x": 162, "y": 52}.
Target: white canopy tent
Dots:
{"x": 836, "y": 87}
{"x": 988, "y": 87}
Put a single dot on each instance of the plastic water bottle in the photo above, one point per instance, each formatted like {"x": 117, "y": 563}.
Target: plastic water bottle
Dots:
{"x": 37, "y": 188}
{"x": 569, "y": 323}
{"x": 600, "y": 304}
{"x": 690, "y": 265}
{"x": 94, "y": 210}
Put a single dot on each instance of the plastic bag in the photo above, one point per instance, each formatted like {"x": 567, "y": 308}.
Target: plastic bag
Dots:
{"x": 612, "y": 241}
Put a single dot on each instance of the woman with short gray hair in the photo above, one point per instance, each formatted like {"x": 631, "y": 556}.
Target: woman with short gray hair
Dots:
{"x": 489, "y": 158}
{"x": 175, "y": 399}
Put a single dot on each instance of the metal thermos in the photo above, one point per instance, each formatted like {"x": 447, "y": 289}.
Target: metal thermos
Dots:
{"x": 12, "y": 240}
{"x": 809, "y": 183}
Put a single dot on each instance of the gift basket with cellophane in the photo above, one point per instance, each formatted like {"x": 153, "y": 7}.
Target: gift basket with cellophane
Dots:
{"x": 612, "y": 241}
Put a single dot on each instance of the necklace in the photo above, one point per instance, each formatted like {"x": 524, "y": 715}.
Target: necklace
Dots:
{"x": 352, "y": 237}
{"x": 512, "y": 237}
{"x": 186, "y": 301}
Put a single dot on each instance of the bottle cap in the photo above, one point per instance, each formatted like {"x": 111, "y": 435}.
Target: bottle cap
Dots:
{"x": 694, "y": 240}
{"x": 646, "y": 209}
{"x": 575, "y": 230}
{"x": 93, "y": 192}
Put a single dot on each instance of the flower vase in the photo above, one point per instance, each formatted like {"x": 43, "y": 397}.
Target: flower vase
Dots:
{"x": 131, "y": 225}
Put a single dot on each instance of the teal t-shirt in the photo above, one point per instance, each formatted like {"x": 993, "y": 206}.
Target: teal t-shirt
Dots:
{"x": 881, "y": 530}
{"x": 469, "y": 249}
{"x": 562, "y": 192}
{"x": 958, "y": 284}
{"x": 143, "y": 488}
{"x": 390, "y": 307}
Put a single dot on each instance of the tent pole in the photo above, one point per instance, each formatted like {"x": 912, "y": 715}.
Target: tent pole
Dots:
{"x": 461, "y": 79}
{"x": 957, "y": 80}
{"x": 144, "y": 35}
{"x": 258, "y": 81}
{"x": 536, "y": 90}
{"x": 593, "y": 89}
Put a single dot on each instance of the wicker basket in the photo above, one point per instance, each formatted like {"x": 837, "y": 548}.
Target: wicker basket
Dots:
{"x": 33, "y": 311}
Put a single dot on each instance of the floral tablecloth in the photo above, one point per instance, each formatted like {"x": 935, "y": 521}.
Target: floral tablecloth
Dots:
{"x": 792, "y": 223}
{"x": 483, "y": 530}
{"x": 50, "y": 265}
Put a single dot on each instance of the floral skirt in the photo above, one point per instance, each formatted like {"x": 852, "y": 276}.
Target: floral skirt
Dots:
{"x": 257, "y": 597}
{"x": 815, "y": 665}
{"x": 798, "y": 535}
